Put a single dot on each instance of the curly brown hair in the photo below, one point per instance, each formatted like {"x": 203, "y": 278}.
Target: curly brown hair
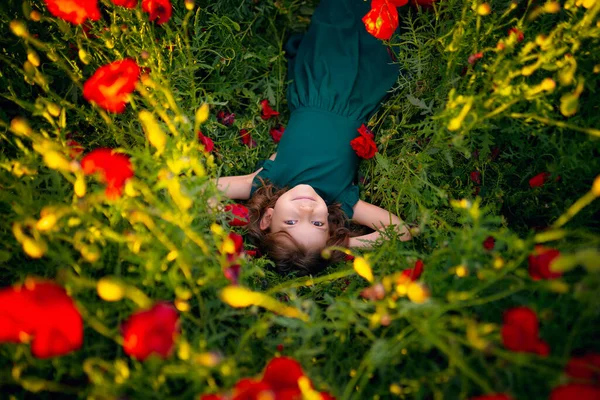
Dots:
{"x": 281, "y": 247}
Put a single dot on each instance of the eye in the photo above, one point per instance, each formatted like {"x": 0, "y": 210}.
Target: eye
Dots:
{"x": 289, "y": 222}
{"x": 318, "y": 223}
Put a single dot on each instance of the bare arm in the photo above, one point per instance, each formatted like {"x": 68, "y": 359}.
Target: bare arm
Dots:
{"x": 238, "y": 187}
{"x": 376, "y": 218}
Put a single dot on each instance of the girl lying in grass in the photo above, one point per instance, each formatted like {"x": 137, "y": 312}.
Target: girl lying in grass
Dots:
{"x": 301, "y": 198}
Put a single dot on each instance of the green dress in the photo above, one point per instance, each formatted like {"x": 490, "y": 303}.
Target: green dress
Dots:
{"x": 339, "y": 75}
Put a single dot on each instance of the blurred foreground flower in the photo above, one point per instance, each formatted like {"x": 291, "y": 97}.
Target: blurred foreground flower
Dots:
{"x": 151, "y": 331}
{"x": 111, "y": 85}
{"x": 520, "y": 332}
{"x": 540, "y": 261}
{"x": 114, "y": 169}
{"x": 74, "y": 11}
{"x": 41, "y": 313}
{"x": 283, "y": 379}
{"x": 266, "y": 111}
{"x": 159, "y": 10}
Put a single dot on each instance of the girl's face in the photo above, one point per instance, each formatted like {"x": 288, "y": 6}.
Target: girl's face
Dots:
{"x": 302, "y": 213}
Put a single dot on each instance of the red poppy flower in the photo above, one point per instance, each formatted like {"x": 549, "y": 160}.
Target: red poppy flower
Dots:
{"x": 241, "y": 214}
{"x": 125, "y": 3}
{"x": 279, "y": 381}
{"x": 226, "y": 119}
{"x": 489, "y": 243}
{"x": 586, "y": 367}
{"x": 209, "y": 145}
{"x": 539, "y": 180}
{"x": 476, "y": 177}
{"x": 520, "y": 332}
{"x": 253, "y": 253}
{"x": 276, "y": 133}
{"x": 111, "y": 85}
{"x": 151, "y": 331}
{"x": 247, "y": 139}
{"x": 415, "y": 272}
{"x": 575, "y": 391}
{"x": 283, "y": 373}
{"x": 540, "y": 261}
{"x": 364, "y": 146}
{"x": 266, "y": 110}
{"x": 499, "y": 396}
{"x": 114, "y": 169}
{"x": 159, "y": 10}
{"x": 74, "y": 11}
{"x": 474, "y": 57}
{"x": 382, "y": 20}
{"x": 41, "y": 313}
{"x": 75, "y": 149}
{"x": 517, "y": 32}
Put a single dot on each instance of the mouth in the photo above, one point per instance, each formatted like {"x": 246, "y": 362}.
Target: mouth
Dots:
{"x": 303, "y": 198}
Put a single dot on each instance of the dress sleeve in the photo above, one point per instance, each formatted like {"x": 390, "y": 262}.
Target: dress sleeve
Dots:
{"x": 264, "y": 174}
{"x": 348, "y": 199}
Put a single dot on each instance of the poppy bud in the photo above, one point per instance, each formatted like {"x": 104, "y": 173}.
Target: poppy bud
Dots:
{"x": 362, "y": 268}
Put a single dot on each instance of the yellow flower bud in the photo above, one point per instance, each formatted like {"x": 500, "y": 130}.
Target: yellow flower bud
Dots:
{"x": 46, "y": 223}
{"x": 461, "y": 271}
{"x": 18, "y": 28}
{"x": 79, "y": 187}
{"x": 498, "y": 262}
{"x": 53, "y": 109}
{"x": 217, "y": 229}
{"x": 484, "y": 9}
{"x": 596, "y": 186}
{"x": 34, "y": 248}
{"x": 417, "y": 293}
{"x": 552, "y": 7}
{"x": 362, "y": 268}
{"x": 182, "y": 305}
{"x": 154, "y": 133}
{"x": 201, "y": 116}
{"x": 208, "y": 359}
{"x": 55, "y": 160}
{"x": 33, "y": 58}
{"x": 548, "y": 84}
{"x": 35, "y": 16}
{"x": 84, "y": 56}
{"x": 110, "y": 289}
{"x": 90, "y": 254}
{"x": 189, "y": 5}
{"x": 184, "y": 350}
{"x": 20, "y": 126}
